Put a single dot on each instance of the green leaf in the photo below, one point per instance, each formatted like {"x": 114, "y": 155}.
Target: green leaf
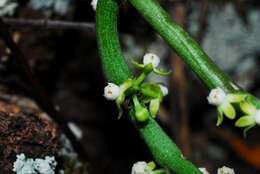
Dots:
{"x": 247, "y": 108}
{"x": 220, "y": 117}
{"x": 151, "y": 90}
{"x": 245, "y": 121}
{"x": 236, "y": 97}
{"x": 161, "y": 72}
{"x": 228, "y": 110}
{"x": 137, "y": 65}
{"x": 154, "y": 107}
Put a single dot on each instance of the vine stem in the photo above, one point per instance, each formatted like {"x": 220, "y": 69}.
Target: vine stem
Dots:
{"x": 165, "y": 152}
{"x": 183, "y": 44}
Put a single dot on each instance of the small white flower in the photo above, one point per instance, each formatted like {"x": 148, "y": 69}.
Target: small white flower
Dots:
{"x": 204, "y": 170}
{"x": 3, "y": 2}
{"x": 164, "y": 90}
{"x": 217, "y": 96}
{"x": 111, "y": 91}
{"x": 141, "y": 167}
{"x": 151, "y": 58}
{"x": 7, "y": 7}
{"x": 94, "y": 4}
{"x": 257, "y": 117}
{"x": 226, "y": 170}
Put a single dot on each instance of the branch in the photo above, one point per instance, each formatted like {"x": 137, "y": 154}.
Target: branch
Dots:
{"x": 183, "y": 44}
{"x": 50, "y": 24}
{"x": 165, "y": 152}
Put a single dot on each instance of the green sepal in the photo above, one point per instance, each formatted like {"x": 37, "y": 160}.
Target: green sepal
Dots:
{"x": 220, "y": 117}
{"x": 151, "y": 165}
{"x": 247, "y": 107}
{"x": 160, "y": 171}
{"x": 137, "y": 65}
{"x": 228, "y": 110}
{"x": 141, "y": 113}
{"x": 236, "y": 97}
{"x": 245, "y": 121}
{"x": 151, "y": 90}
{"x": 121, "y": 98}
{"x": 154, "y": 107}
{"x": 161, "y": 72}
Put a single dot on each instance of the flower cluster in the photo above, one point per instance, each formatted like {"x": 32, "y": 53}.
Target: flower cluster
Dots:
{"x": 232, "y": 103}
{"x": 146, "y": 97}
{"x": 24, "y": 165}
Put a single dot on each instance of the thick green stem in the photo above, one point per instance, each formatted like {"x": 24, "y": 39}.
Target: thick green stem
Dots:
{"x": 165, "y": 152}
{"x": 113, "y": 62}
{"x": 183, "y": 44}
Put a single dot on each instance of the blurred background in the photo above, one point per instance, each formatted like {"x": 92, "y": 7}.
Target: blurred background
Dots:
{"x": 58, "y": 40}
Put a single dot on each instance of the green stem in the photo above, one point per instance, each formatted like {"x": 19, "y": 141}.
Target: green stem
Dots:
{"x": 183, "y": 44}
{"x": 113, "y": 62}
{"x": 165, "y": 152}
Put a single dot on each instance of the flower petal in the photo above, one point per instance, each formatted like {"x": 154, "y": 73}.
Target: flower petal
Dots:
{"x": 228, "y": 110}
{"x": 245, "y": 121}
{"x": 220, "y": 117}
{"x": 154, "y": 107}
{"x": 247, "y": 108}
{"x": 236, "y": 97}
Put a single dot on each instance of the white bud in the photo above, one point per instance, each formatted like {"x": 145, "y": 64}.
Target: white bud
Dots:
{"x": 257, "y": 117}
{"x": 111, "y": 91}
{"x": 164, "y": 90}
{"x": 226, "y": 170}
{"x": 151, "y": 58}
{"x": 204, "y": 170}
{"x": 94, "y": 4}
{"x": 141, "y": 167}
{"x": 216, "y": 96}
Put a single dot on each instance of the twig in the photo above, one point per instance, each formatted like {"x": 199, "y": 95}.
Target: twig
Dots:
{"x": 38, "y": 91}
{"x": 50, "y": 24}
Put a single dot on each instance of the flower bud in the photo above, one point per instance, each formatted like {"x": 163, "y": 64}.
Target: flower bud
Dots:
{"x": 216, "y": 97}
{"x": 111, "y": 91}
{"x": 151, "y": 58}
{"x": 94, "y": 4}
{"x": 257, "y": 117}
{"x": 141, "y": 167}
{"x": 226, "y": 170}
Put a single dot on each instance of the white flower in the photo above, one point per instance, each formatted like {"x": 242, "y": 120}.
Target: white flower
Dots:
{"x": 94, "y": 4}
{"x": 226, "y": 170}
{"x": 164, "y": 90}
{"x": 111, "y": 91}
{"x": 3, "y": 2}
{"x": 257, "y": 117}
{"x": 141, "y": 167}
{"x": 204, "y": 170}
{"x": 217, "y": 96}
{"x": 151, "y": 58}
